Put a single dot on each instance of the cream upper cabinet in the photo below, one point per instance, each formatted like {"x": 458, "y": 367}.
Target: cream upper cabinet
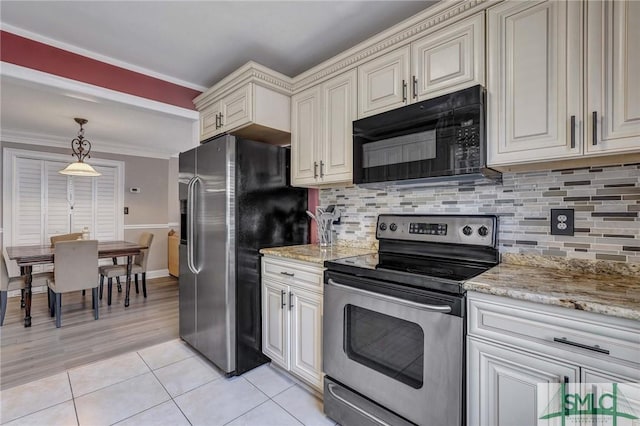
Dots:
{"x": 441, "y": 62}
{"x": 548, "y": 101}
{"x": 251, "y": 111}
{"x": 321, "y": 134}
{"x": 383, "y": 82}
{"x": 534, "y": 81}
{"x": 305, "y": 136}
{"x": 612, "y": 76}
{"x": 450, "y": 59}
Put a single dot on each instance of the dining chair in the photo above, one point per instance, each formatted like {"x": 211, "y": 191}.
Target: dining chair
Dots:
{"x": 75, "y": 267}
{"x": 65, "y": 237}
{"x": 139, "y": 266}
{"x": 16, "y": 282}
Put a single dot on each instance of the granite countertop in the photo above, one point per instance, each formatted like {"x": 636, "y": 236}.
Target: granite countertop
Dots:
{"x": 609, "y": 294}
{"x": 314, "y": 254}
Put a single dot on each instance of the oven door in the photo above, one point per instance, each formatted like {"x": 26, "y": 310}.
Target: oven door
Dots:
{"x": 401, "y": 348}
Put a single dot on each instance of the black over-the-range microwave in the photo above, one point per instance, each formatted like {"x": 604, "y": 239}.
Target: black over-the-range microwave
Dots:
{"x": 440, "y": 139}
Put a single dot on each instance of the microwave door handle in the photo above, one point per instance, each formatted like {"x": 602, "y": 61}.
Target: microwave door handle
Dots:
{"x": 443, "y": 309}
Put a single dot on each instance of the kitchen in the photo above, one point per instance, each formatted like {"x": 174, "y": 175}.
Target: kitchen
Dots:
{"x": 540, "y": 135}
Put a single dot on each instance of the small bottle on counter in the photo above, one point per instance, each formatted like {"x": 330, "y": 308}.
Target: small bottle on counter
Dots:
{"x": 85, "y": 233}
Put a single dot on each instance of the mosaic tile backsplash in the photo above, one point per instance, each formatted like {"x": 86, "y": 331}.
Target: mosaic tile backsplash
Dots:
{"x": 606, "y": 201}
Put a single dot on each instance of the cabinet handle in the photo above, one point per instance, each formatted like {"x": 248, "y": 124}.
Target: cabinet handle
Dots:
{"x": 315, "y": 170}
{"x": 321, "y": 168}
{"x": 290, "y": 300}
{"x": 415, "y": 87}
{"x": 594, "y": 348}
{"x": 404, "y": 91}
{"x": 573, "y": 131}
{"x": 221, "y": 116}
{"x": 217, "y": 121}
{"x": 282, "y": 293}
{"x": 594, "y": 128}
{"x": 289, "y": 274}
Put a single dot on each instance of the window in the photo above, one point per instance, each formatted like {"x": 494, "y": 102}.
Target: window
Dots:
{"x": 38, "y": 202}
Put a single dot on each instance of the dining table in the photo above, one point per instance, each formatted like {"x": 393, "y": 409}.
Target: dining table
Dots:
{"x": 28, "y": 256}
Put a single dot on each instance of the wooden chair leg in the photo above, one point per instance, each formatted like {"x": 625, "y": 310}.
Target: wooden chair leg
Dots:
{"x": 3, "y": 306}
{"x": 84, "y": 292}
{"x": 58, "y": 310}
{"x": 109, "y": 288}
{"x": 137, "y": 289}
{"x": 119, "y": 285}
{"x": 144, "y": 284}
{"x": 94, "y": 297}
{"x": 101, "y": 285}
{"x": 22, "y": 305}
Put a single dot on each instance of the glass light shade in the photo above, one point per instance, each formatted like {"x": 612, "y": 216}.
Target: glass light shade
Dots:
{"x": 79, "y": 169}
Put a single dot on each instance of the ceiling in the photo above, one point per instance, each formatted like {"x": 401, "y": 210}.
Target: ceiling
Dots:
{"x": 190, "y": 43}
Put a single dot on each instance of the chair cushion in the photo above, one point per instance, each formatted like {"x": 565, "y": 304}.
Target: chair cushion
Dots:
{"x": 17, "y": 283}
{"x": 112, "y": 271}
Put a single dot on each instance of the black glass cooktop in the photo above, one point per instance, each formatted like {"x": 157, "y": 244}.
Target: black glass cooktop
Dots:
{"x": 417, "y": 271}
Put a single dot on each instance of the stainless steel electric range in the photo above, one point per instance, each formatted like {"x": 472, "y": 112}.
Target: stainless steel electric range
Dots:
{"x": 394, "y": 322}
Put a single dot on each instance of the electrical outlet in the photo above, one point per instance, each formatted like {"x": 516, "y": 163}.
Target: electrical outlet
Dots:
{"x": 562, "y": 221}
{"x": 126, "y": 210}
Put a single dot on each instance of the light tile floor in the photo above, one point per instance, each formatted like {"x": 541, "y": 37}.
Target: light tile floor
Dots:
{"x": 167, "y": 384}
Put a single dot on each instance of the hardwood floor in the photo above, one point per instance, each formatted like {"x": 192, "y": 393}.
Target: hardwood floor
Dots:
{"x": 28, "y": 354}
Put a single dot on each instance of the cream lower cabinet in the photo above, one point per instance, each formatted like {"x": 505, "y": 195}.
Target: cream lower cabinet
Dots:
{"x": 546, "y": 100}
{"x": 515, "y": 349}
{"x": 292, "y": 318}
{"x": 507, "y": 381}
{"x": 444, "y": 61}
{"x": 321, "y": 132}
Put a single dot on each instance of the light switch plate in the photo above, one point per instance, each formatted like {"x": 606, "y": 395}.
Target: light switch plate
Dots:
{"x": 562, "y": 221}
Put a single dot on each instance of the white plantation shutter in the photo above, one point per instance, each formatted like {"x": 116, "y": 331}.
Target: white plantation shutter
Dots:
{"x": 106, "y": 208}
{"x": 83, "y": 210}
{"x": 37, "y": 198}
{"x": 28, "y": 223}
{"x": 56, "y": 200}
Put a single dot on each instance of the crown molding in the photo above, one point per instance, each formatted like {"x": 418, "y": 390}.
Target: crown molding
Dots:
{"x": 38, "y": 77}
{"x": 431, "y": 19}
{"x": 106, "y": 147}
{"x": 251, "y": 72}
{"x": 98, "y": 57}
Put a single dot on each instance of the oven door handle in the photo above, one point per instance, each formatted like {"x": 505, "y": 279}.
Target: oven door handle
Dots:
{"x": 443, "y": 309}
{"x": 351, "y": 405}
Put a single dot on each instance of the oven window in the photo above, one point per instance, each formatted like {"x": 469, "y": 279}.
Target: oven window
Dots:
{"x": 389, "y": 345}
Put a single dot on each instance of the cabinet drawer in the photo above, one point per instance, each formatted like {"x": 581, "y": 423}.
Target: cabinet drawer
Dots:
{"x": 293, "y": 273}
{"x": 554, "y": 330}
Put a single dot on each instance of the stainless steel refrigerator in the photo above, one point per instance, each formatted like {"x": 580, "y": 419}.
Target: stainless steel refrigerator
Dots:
{"x": 235, "y": 199}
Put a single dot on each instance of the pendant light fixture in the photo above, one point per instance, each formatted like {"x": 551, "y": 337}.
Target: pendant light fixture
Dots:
{"x": 78, "y": 146}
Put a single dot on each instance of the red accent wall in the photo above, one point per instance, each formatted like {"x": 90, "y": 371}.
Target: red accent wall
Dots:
{"x": 28, "y": 53}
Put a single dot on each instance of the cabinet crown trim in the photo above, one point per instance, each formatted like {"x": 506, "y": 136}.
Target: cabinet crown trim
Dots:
{"x": 433, "y": 17}
{"x": 251, "y": 72}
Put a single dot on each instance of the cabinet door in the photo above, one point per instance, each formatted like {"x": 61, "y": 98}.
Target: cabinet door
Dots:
{"x": 339, "y": 109}
{"x": 613, "y": 76}
{"x": 383, "y": 83}
{"x": 306, "y": 335}
{"x": 236, "y": 109}
{"x": 503, "y": 384}
{"x": 305, "y": 137}
{"x": 275, "y": 322}
{"x": 450, "y": 59}
{"x": 534, "y": 81}
{"x": 209, "y": 121}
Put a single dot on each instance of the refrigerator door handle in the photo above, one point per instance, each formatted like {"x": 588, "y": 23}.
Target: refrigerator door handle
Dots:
{"x": 190, "y": 220}
{"x": 194, "y": 266}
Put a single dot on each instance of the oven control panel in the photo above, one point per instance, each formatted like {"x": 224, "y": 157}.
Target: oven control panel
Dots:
{"x": 458, "y": 229}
